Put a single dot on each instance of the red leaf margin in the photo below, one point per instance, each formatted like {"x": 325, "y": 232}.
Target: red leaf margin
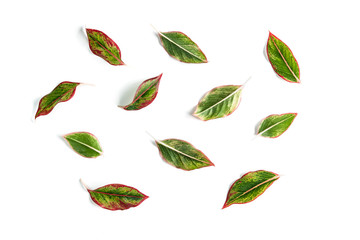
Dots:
{"x": 267, "y": 52}
{"x": 38, "y": 113}
{"x": 228, "y": 195}
{"x": 118, "y": 186}
{"x": 211, "y": 163}
{"x": 110, "y": 41}
{"x": 274, "y": 115}
{"x": 135, "y": 99}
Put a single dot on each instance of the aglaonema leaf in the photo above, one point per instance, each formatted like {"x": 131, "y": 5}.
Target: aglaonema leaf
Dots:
{"x": 249, "y": 187}
{"x": 103, "y": 46}
{"x": 275, "y": 125}
{"x": 84, "y": 143}
{"x": 61, "y": 93}
{"x": 282, "y": 59}
{"x": 181, "y": 47}
{"x": 117, "y": 197}
{"x": 182, "y": 154}
{"x": 145, "y": 94}
{"x": 219, "y": 102}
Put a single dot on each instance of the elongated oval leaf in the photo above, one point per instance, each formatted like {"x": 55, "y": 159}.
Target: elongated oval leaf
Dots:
{"x": 181, "y": 47}
{"x": 182, "y": 154}
{"x": 249, "y": 187}
{"x": 219, "y": 102}
{"x": 103, "y": 46}
{"x": 61, "y": 93}
{"x": 117, "y": 197}
{"x": 282, "y": 59}
{"x": 275, "y": 125}
{"x": 84, "y": 143}
{"x": 145, "y": 94}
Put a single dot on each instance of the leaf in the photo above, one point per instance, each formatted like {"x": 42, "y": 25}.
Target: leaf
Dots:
{"x": 219, "y": 102}
{"x": 249, "y": 187}
{"x": 182, "y": 154}
{"x": 61, "y": 93}
{"x": 275, "y": 125}
{"x": 145, "y": 94}
{"x": 116, "y": 197}
{"x": 282, "y": 59}
{"x": 84, "y": 143}
{"x": 181, "y": 47}
{"x": 103, "y": 46}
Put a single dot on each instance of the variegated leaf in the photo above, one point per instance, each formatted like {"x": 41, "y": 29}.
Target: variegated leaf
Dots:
{"x": 103, "y": 46}
{"x": 181, "y": 47}
{"x": 249, "y": 187}
{"x": 182, "y": 154}
{"x": 145, "y": 94}
{"x": 275, "y": 125}
{"x": 61, "y": 93}
{"x": 117, "y": 197}
{"x": 282, "y": 59}
{"x": 219, "y": 102}
{"x": 84, "y": 143}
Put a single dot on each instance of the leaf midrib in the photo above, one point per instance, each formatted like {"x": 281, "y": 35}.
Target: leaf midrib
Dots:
{"x": 262, "y": 183}
{"x": 230, "y": 95}
{"x": 114, "y": 194}
{"x": 179, "y": 46}
{"x": 175, "y": 150}
{"x": 283, "y": 58}
{"x": 92, "y": 148}
{"x": 119, "y": 60}
{"x": 267, "y": 129}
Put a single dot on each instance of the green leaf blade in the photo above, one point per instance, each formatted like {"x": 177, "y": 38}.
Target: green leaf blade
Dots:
{"x": 181, "y": 47}
{"x": 145, "y": 94}
{"x": 219, "y": 102}
{"x": 117, "y": 197}
{"x": 84, "y": 143}
{"x": 182, "y": 154}
{"x": 282, "y": 59}
{"x": 61, "y": 93}
{"x": 249, "y": 187}
{"x": 275, "y": 125}
{"x": 103, "y": 46}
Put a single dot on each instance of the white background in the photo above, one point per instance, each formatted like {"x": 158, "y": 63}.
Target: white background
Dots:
{"x": 317, "y": 195}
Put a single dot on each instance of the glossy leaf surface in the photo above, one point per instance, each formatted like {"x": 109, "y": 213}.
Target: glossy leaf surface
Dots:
{"x": 249, "y": 187}
{"x": 103, "y": 46}
{"x": 275, "y": 125}
{"x": 182, "y": 154}
{"x": 145, "y": 94}
{"x": 219, "y": 102}
{"x": 84, "y": 143}
{"x": 61, "y": 93}
{"x": 282, "y": 59}
{"x": 181, "y": 47}
{"x": 117, "y": 197}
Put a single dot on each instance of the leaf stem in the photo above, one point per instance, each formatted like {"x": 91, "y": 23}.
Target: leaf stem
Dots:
{"x": 151, "y": 136}
{"x": 83, "y": 184}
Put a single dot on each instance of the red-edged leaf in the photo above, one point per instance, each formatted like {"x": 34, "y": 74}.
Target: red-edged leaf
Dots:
{"x": 145, "y": 94}
{"x": 116, "y": 197}
{"x": 61, "y": 93}
{"x": 103, "y": 46}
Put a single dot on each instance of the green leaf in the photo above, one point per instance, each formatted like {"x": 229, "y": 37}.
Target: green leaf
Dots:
{"x": 181, "y": 47}
{"x": 84, "y": 143}
{"x": 182, "y": 154}
{"x": 282, "y": 59}
{"x": 219, "y": 102}
{"x": 116, "y": 197}
{"x": 145, "y": 94}
{"x": 103, "y": 46}
{"x": 61, "y": 93}
{"x": 275, "y": 125}
{"x": 249, "y": 187}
